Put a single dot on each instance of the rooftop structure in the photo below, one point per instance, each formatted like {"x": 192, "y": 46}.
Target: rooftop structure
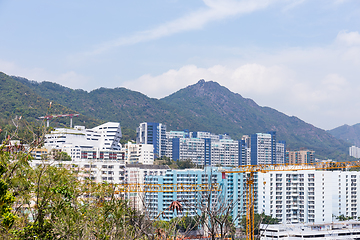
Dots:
{"x": 334, "y": 230}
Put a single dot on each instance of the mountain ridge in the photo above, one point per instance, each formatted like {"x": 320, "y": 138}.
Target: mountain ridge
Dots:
{"x": 204, "y": 106}
{"x": 347, "y": 133}
{"x": 247, "y": 114}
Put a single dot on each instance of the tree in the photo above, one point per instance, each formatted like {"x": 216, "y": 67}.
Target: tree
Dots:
{"x": 214, "y": 212}
{"x": 259, "y": 219}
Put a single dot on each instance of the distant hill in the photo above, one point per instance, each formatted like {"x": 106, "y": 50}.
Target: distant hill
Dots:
{"x": 348, "y": 133}
{"x": 218, "y": 108}
{"x": 17, "y": 99}
{"x": 204, "y": 106}
{"x": 118, "y": 104}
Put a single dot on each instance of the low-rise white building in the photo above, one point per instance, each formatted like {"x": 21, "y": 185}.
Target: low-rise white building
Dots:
{"x": 111, "y": 171}
{"x": 104, "y": 137}
{"x": 139, "y": 153}
{"x": 335, "y": 230}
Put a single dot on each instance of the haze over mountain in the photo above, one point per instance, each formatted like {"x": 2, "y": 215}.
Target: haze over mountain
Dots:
{"x": 204, "y": 106}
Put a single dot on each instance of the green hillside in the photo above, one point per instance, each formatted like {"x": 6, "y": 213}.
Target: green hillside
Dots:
{"x": 17, "y": 99}
{"x": 118, "y": 104}
{"x": 204, "y": 106}
{"x": 347, "y": 133}
{"x": 224, "y": 111}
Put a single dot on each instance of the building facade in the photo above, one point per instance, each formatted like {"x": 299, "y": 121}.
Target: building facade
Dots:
{"x": 204, "y": 148}
{"x": 154, "y": 134}
{"x": 111, "y": 171}
{"x": 138, "y": 153}
{"x": 301, "y": 156}
{"x": 231, "y": 194}
{"x": 105, "y": 137}
{"x": 136, "y": 174}
{"x": 354, "y": 151}
{"x": 262, "y": 149}
{"x": 308, "y": 196}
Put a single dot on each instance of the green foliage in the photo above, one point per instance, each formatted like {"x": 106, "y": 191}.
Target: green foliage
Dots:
{"x": 180, "y": 164}
{"x": 186, "y": 223}
{"x": 17, "y": 99}
{"x": 258, "y": 219}
{"x": 61, "y": 156}
{"x": 344, "y": 218}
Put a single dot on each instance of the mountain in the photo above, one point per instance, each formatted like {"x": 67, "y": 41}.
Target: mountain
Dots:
{"x": 204, "y": 106}
{"x": 17, "y": 99}
{"x": 218, "y": 108}
{"x": 118, "y": 104}
{"x": 348, "y": 133}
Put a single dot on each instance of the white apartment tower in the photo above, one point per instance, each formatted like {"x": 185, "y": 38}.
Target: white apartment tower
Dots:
{"x": 354, "y": 151}
{"x": 308, "y": 195}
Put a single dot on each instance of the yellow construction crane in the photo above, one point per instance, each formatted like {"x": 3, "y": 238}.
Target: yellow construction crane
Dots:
{"x": 252, "y": 169}
{"x": 180, "y": 187}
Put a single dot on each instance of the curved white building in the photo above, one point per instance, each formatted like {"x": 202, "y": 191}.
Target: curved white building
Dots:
{"x": 104, "y": 137}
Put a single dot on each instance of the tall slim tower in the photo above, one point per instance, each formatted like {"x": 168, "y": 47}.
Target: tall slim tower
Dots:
{"x": 263, "y": 148}
{"x": 152, "y": 133}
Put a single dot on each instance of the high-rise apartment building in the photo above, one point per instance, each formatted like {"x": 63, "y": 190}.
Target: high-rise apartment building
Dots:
{"x": 354, "y": 151}
{"x": 301, "y": 156}
{"x": 262, "y": 149}
{"x": 136, "y": 174}
{"x": 281, "y": 152}
{"x": 204, "y": 148}
{"x": 157, "y": 204}
{"x": 154, "y": 134}
{"x": 265, "y": 149}
{"x": 308, "y": 195}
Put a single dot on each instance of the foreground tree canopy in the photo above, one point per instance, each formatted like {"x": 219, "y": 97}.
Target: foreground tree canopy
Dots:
{"x": 50, "y": 202}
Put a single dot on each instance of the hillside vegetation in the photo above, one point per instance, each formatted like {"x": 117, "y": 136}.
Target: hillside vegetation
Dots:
{"x": 347, "y": 133}
{"x": 18, "y": 100}
{"x": 204, "y": 106}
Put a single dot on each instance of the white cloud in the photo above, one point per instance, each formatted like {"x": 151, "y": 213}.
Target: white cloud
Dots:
{"x": 318, "y": 84}
{"x": 215, "y": 10}
{"x": 348, "y": 38}
{"x": 246, "y": 79}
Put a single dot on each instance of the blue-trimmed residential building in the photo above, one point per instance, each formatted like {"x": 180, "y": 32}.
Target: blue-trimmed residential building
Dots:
{"x": 232, "y": 185}
{"x": 204, "y": 148}
{"x": 154, "y": 134}
{"x": 265, "y": 149}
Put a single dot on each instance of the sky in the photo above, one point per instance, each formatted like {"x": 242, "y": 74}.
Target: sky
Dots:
{"x": 300, "y": 57}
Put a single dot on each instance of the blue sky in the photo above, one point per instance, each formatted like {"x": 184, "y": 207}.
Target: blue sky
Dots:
{"x": 301, "y": 57}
